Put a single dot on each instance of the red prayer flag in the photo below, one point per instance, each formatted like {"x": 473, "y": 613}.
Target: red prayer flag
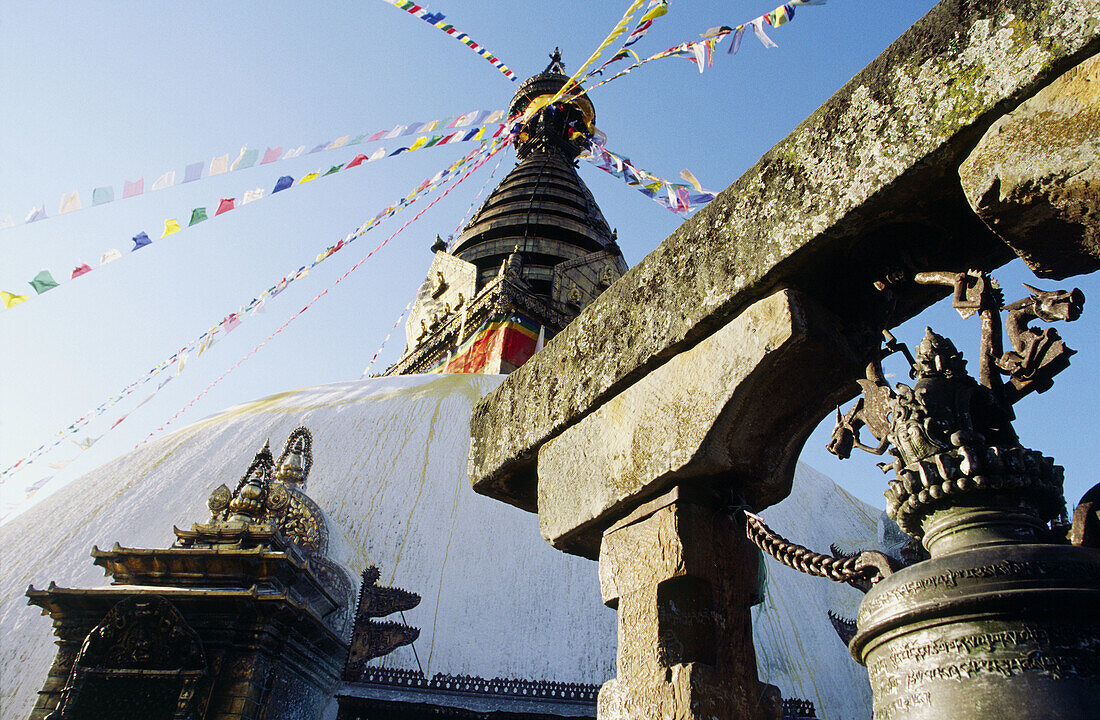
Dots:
{"x": 377, "y": 136}
{"x": 357, "y": 160}
{"x": 130, "y": 189}
{"x": 81, "y": 270}
{"x": 272, "y": 155}
{"x": 224, "y": 206}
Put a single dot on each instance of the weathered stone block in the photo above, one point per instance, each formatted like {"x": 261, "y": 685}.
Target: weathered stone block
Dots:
{"x": 738, "y": 406}
{"x": 866, "y": 184}
{"x": 1035, "y": 176}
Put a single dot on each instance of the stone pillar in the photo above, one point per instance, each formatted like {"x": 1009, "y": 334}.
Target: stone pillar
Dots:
{"x": 682, "y": 576}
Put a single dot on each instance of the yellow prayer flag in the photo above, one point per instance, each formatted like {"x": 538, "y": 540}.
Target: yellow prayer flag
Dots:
{"x": 419, "y": 143}
{"x": 171, "y": 226}
{"x": 307, "y": 178}
{"x": 11, "y": 299}
{"x": 687, "y": 175}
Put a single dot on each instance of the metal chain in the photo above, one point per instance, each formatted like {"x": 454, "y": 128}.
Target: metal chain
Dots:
{"x": 801, "y": 558}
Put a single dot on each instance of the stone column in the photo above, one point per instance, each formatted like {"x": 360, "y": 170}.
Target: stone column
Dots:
{"x": 682, "y": 576}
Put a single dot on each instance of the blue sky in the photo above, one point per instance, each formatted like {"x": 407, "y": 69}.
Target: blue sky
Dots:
{"x": 95, "y": 94}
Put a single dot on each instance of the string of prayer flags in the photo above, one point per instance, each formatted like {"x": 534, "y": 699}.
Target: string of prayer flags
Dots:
{"x": 198, "y": 215}
{"x": 656, "y": 9}
{"x": 246, "y": 158}
{"x": 494, "y": 148}
{"x": 81, "y": 269}
{"x": 701, "y": 51}
{"x": 677, "y": 197}
{"x": 43, "y": 281}
{"x": 437, "y": 20}
{"x": 179, "y": 358}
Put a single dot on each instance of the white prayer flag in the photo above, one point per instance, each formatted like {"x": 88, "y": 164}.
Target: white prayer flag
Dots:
{"x": 166, "y": 180}
{"x": 69, "y": 203}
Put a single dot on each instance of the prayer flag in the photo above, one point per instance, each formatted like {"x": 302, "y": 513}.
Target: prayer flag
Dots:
{"x": 736, "y": 44}
{"x": 338, "y": 142}
{"x": 780, "y": 16}
{"x": 283, "y": 183}
{"x": 271, "y": 155}
{"x": 294, "y": 152}
{"x": 358, "y": 139}
{"x": 687, "y": 175}
{"x": 435, "y": 140}
{"x": 181, "y": 361}
{"x": 81, "y": 269}
{"x": 357, "y": 160}
{"x": 140, "y": 240}
{"x": 11, "y": 299}
{"x": 197, "y": 216}
{"x": 412, "y": 129}
{"x": 166, "y": 180}
{"x": 377, "y": 136}
{"x": 251, "y": 195}
{"x": 224, "y": 206}
{"x": 103, "y": 195}
{"x": 131, "y": 189}
{"x": 428, "y": 126}
{"x": 116, "y": 422}
{"x": 171, "y": 227}
{"x": 333, "y": 169}
{"x": 394, "y": 133}
{"x": 307, "y": 178}
{"x": 462, "y": 120}
{"x": 69, "y": 203}
{"x": 246, "y": 159}
{"x": 110, "y": 256}
{"x": 758, "y": 28}
{"x": 219, "y": 166}
{"x": 319, "y": 148}
{"x": 377, "y": 154}
{"x": 232, "y": 322}
{"x": 192, "y": 172}
{"x": 6, "y": 223}
{"x": 447, "y": 139}
{"x": 495, "y": 116}
{"x": 43, "y": 281}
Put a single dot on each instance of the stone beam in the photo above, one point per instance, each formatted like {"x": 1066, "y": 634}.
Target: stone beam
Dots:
{"x": 866, "y": 186}
{"x": 738, "y": 405}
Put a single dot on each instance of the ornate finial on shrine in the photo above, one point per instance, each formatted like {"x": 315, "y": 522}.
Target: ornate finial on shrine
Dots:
{"x": 951, "y": 436}
{"x": 250, "y": 498}
{"x": 439, "y": 244}
{"x": 296, "y": 459}
{"x": 556, "y": 64}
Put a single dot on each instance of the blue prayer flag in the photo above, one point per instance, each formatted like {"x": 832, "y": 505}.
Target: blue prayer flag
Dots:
{"x": 141, "y": 240}
{"x": 193, "y": 172}
{"x": 283, "y": 183}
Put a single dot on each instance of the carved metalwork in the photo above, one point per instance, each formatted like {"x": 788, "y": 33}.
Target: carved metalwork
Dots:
{"x": 142, "y": 655}
{"x": 370, "y": 638}
{"x": 951, "y": 436}
{"x": 961, "y": 634}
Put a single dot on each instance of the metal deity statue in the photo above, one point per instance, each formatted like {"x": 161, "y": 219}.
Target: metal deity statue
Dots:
{"x": 1001, "y": 620}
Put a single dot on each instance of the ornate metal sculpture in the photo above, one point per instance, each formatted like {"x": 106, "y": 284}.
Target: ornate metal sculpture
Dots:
{"x": 371, "y": 639}
{"x": 1000, "y": 621}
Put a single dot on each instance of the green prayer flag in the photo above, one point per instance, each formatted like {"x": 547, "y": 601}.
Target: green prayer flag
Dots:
{"x": 43, "y": 281}
{"x": 334, "y": 168}
{"x": 197, "y": 216}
